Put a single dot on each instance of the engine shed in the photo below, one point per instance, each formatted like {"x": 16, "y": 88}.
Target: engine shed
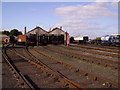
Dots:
{"x": 54, "y": 36}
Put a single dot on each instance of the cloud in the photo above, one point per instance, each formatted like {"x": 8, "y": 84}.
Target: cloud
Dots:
{"x": 84, "y": 12}
{"x": 81, "y": 19}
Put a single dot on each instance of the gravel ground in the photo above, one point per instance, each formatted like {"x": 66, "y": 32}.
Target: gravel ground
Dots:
{"x": 88, "y": 54}
{"x": 99, "y": 46}
{"x": 8, "y": 80}
{"x": 68, "y": 72}
{"x": 22, "y": 52}
{"x": 38, "y": 78}
{"x": 105, "y": 72}
{"x": 42, "y": 80}
{"x": 96, "y": 48}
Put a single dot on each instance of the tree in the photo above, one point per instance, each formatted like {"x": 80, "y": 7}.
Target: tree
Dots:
{"x": 98, "y": 38}
{"x": 15, "y": 32}
{"x": 6, "y": 32}
{"x": 20, "y": 33}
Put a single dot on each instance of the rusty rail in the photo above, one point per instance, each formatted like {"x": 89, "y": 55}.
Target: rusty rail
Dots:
{"x": 108, "y": 50}
{"x": 101, "y": 59}
{"x": 84, "y": 59}
{"x": 67, "y": 83}
{"x": 85, "y": 73}
{"x": 20, "y": 77}
{"x": 102, "y": 46}
{"x": 94, "y": 52}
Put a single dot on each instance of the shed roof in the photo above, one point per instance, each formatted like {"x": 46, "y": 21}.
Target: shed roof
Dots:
{"x": 37, "y": 28}
{"x": 55, "y": 29}
{"x": 1, "y": 36}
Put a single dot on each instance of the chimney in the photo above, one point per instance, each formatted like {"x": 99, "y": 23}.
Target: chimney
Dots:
{"x": 25, "y": 30}
{"x": 61, "y": 27}
{"x": 50, "y": 29}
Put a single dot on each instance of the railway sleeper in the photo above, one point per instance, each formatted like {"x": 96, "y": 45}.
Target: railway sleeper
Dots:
{"x": 90, "y": 57}
{"x": 93, "y": 62}
{"x": 60, "y": 74}
{"x": 66, "y": 83}
{"x": 79, "y": 58}
{"x": 113, "y": 55}
{"x": 94, "y": 78}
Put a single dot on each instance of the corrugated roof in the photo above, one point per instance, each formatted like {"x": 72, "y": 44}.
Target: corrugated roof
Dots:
{"x": 55, "y": 29}
{"x": 37, "y": 28}
{"x": 3, "y": 36}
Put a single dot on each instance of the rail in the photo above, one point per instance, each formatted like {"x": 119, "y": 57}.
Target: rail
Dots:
{"x": 91, "y": 51}
{"x": 91, "y": 61}
{"x": 67, "y": 83}
{"x": 86, "y": 73}
{"x": 21, "y": 79}
{"x": 108, "y": 50}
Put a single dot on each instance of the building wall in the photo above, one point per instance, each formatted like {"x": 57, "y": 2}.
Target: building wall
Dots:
{"x": 38, "y": 31}
{"x": 56, "y": 31}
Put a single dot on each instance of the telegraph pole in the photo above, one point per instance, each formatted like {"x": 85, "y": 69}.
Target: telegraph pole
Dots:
{"x": 37, "y": 38}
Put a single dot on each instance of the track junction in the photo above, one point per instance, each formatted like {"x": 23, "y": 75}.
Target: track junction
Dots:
{"x": 59, "y": 66}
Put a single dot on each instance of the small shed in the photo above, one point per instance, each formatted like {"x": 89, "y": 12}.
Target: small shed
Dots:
{"x": 4, "y": 38}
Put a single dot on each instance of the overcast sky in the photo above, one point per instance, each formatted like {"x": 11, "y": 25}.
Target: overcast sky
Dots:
{"x": 77, "y": 18}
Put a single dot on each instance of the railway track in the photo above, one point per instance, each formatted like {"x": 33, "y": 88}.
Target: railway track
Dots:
{"x": 8, "y": 76}
{"x": 19, "y": 76}
{"x": 84, "y": 73}
{"x": 56, "y": 75}
{"x": 92, "y": 51}
{"x": 96, "y": 48}
{"x": 98, "y": 61}
{"x": 102, "y": 46}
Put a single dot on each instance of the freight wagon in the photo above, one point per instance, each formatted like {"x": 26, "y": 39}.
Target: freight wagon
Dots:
{"x": 81, "y": 40}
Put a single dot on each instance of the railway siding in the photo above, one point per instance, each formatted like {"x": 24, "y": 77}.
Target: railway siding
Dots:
{"x": 95, "y": 48}
{"x": 51, "y": 72}
{"x": 67, "y": 71}
{"x": 70, "y": 84}
{"x": 21, "y": 79}
{"x": 8, "y": 78}
{"x": 36, "y": 76}
{"x": 83, "y": 57}
{"x": 115, "y": 55}
{"x": 59, "y": 60}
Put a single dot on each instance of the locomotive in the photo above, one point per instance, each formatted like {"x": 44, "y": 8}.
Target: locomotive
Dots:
{"x": 43, "y": 39}
{"x": 111, "y": 40}
{"x": 31, "y": 40}
{"x": 56, "y": 39}
{"x": 107, "y": 40}
{"x": 26, "y": 40}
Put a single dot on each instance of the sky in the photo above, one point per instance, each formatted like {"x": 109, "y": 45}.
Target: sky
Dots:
{"x": 93, "y": 19}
